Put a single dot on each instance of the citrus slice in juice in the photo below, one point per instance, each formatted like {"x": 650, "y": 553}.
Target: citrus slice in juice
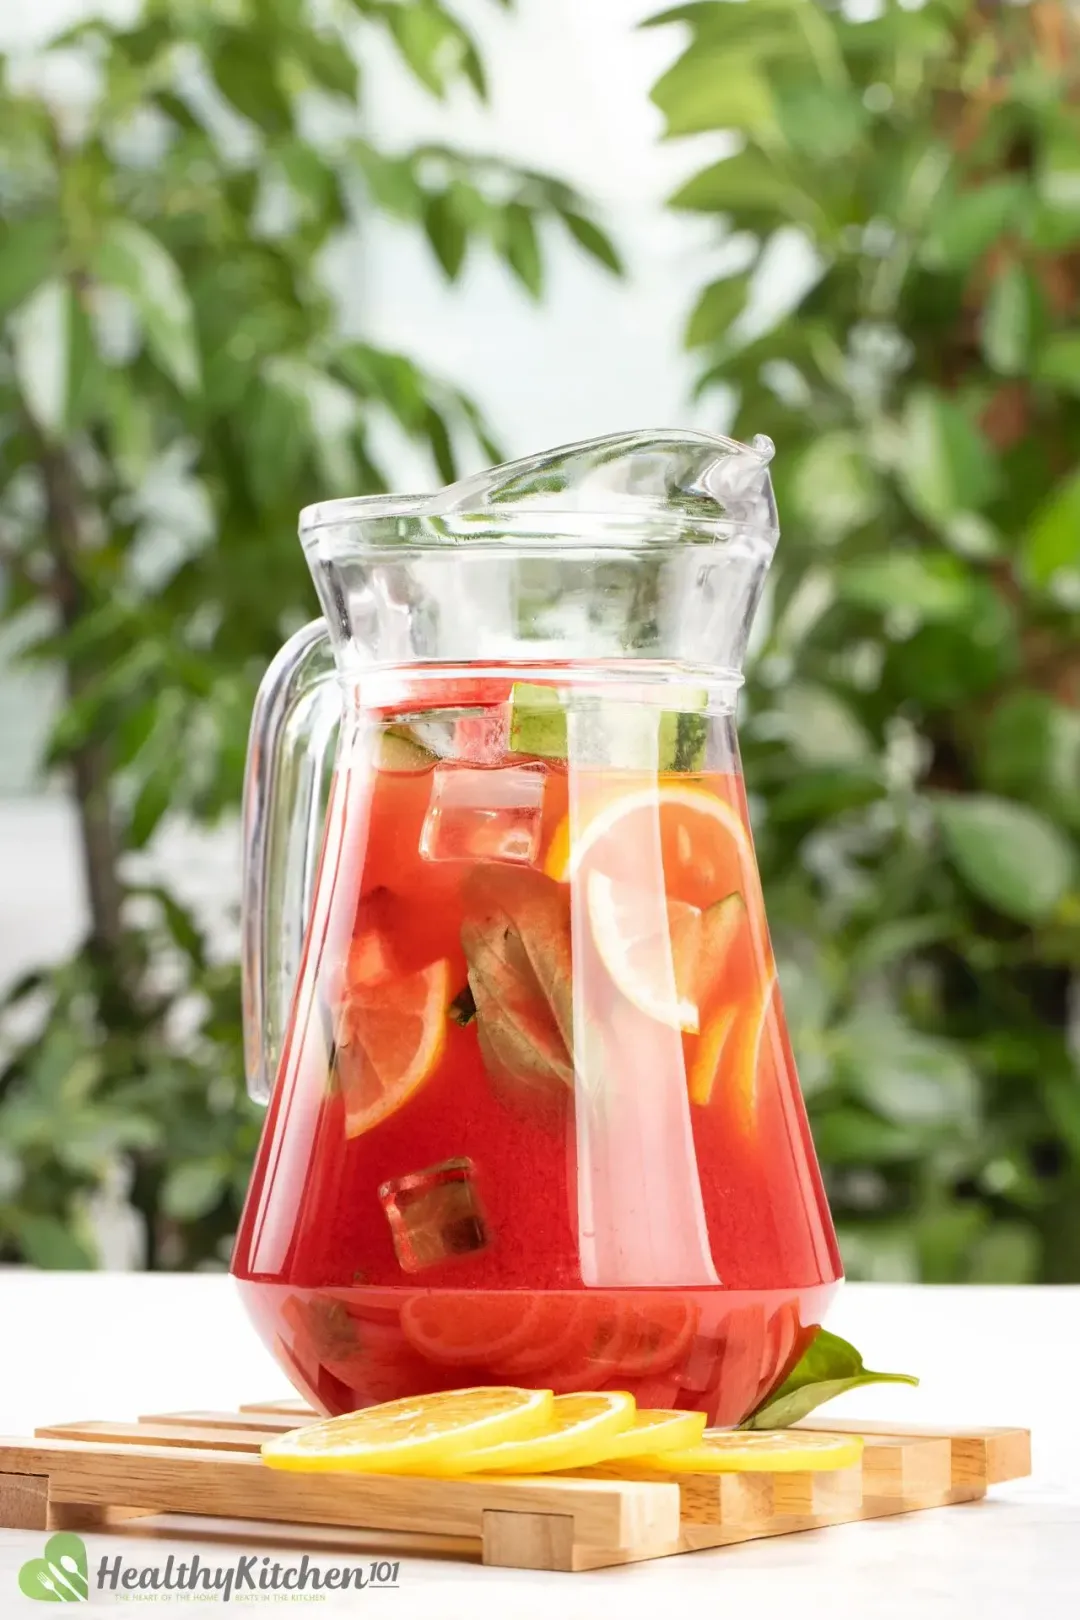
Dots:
{"x": 653, "y": 1432}
{"x": 729, "y": 1049}
{"x": 417, "y": 1435}
{"x": 662, "y": 1331}
{"x": 771, "y": 1451}
{"x": 579, "y": 1432}
{"x": 555, "y": 1331}
{"x": 458, "y": 1328}
{"x": 703, "y": 842}
{"x": 721, "y": 926}
{"x": 643, "y": 945}
{"x": 705, "y": 1069}
{"x": 385, "y": 1367}
{"x": 390, "y": 1038}
{"x": 606, "y": 1327}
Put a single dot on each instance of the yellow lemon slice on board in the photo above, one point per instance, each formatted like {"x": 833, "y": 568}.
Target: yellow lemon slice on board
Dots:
{"x": 656, "y": 1431}
{"x": 767, "y": 1451}
{"x": 581, "y": 1431}
{"x": 390, "y": 1038}
{"x": 416, "y": 1435}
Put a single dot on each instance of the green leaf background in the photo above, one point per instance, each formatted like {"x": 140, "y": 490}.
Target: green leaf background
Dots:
{"x": 159, "y": 326}
{"x": 911, "y": 722}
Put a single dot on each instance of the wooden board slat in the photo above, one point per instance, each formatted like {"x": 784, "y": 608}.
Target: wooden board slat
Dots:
{"x": 528, "y": 1540}
{"x": 904, "y": 1466}
{"x": 24, "y": 1501}
{"x": 979, "y": 1456}
{"x": 289, "y": 1408}
{"x": 265, "y": 1423}
{"x": 157, "y": 1434}
{"x": 750, "y": 1498}
{"x": 608, "y": 1513}
{"x": 199, "y": 1468}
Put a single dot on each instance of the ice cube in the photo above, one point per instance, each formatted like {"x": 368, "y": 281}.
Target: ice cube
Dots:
{"x": 488, "y": 813}
{"x": 482, "y": 738}
{"x": 434, "y": 1214}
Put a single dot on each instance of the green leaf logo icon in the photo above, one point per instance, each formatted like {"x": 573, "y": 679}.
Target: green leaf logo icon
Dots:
{"x": 60, "y": 1575}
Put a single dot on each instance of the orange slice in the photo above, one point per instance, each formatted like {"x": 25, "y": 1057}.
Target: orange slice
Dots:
{"x": 390, "y": 1039}
{"x": 553, "y": 1337}
{"x": 656, "y": 1431}
{"x": 580, "y": 1432}
{"x": 722, "y": 925}
{"x": 416, "y": 1435}
{"x": 709, "y": 1055}
{"x": 662, "y": 1330}
{"x": 730, "y": 1046}
{"x": 606, "y": 1328}
{"x": 704, "y": 846}
{"x": 476, "y": 1327}
{"x": 771, "y": 1451}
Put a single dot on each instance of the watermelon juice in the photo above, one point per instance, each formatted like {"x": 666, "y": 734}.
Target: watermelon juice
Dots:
{"x": 537, "y": 1119}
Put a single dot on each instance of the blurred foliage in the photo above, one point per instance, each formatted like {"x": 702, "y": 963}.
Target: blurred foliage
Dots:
{"x": 912, "y": 722}
{"x": 176, "y": 381}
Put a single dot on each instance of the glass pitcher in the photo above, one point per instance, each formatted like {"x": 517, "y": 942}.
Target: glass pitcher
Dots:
{"x": 533, "y": 1115}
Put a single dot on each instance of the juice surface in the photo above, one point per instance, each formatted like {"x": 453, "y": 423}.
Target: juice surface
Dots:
{"x": 537, "y": 1119}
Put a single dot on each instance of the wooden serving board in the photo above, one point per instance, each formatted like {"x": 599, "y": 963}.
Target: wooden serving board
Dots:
{"x": 205, "y": 1467}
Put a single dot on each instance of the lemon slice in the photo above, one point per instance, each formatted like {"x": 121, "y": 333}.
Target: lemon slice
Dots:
{"x": 768, "y": 1451}
{"x": 415, "y": 1435}
{"x": 581, "y": 1431}
{"x": 638, "y": 934}
{"x": 656, "y": 1431}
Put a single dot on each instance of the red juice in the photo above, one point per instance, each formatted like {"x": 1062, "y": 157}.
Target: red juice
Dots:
{"x": 537, "y": 1119}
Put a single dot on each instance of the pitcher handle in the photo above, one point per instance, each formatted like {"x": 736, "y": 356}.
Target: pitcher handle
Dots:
{"x": 294, "y": 729}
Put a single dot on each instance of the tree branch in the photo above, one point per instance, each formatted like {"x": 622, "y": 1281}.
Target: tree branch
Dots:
{"x": 90, "y": 763}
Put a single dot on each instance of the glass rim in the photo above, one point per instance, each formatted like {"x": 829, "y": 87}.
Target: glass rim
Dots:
{"x": 463, "y": 515}
{"x": 348, "y": 526}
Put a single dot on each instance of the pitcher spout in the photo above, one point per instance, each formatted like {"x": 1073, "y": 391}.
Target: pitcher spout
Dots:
{"x": 647, "y": 546}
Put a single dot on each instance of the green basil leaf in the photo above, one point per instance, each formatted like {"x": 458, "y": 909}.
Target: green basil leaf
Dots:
{"x": 828, "y": 1368}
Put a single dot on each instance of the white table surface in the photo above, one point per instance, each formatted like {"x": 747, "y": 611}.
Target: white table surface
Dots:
{"x": 98, "y": 1345}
